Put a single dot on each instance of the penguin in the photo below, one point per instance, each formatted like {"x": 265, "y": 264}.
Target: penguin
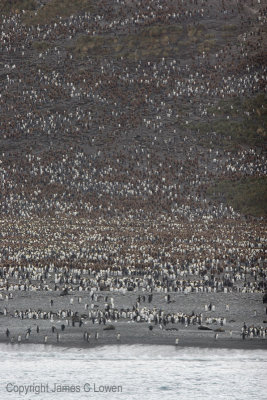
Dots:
{"x": 19, "y": 338}
{"x": 176, "y": 341}
{"x": 118, "y": 337}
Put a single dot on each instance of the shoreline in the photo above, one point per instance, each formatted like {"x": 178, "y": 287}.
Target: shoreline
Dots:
{"x": 185, "y": 342}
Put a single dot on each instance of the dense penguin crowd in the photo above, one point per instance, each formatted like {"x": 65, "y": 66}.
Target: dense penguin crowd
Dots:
{"x": 116, "y": 124}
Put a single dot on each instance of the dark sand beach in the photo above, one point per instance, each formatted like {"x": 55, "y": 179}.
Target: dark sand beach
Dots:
{"x": 241, "y": 309}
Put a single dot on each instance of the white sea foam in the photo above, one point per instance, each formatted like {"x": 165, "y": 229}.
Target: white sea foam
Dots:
{"x": 151, "y": 372}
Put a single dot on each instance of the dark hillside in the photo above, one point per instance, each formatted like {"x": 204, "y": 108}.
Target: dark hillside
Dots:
{"x": 131, "y": 119}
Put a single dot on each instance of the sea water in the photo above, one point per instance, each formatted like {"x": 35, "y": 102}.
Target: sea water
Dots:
{"x": 131, "y": 372}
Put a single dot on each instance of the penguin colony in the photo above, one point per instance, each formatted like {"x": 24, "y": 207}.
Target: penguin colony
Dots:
{"x": 105, "y": 173}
